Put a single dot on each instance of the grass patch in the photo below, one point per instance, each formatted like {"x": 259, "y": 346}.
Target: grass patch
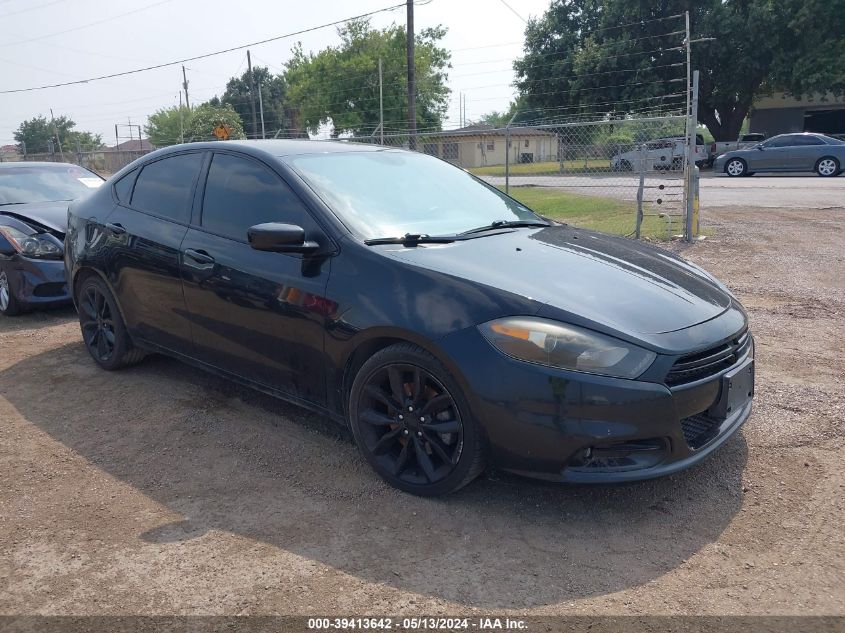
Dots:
{"x": 590, "y": 212}
{"x": 548, "y": 167}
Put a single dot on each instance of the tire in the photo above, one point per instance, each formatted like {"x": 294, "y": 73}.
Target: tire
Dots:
{"x": 9, "y": 305}
{"x": 736, "y": 167}
{"x": 625, "y": 165}
{"x": 434, "y": 454}
{"x": 103, "y": 330}
{"x": 827, "y": 167}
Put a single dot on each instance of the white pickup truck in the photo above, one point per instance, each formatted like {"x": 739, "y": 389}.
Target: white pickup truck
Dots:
{"x": 745, "y": 141}
{"x": 661, "y": 153}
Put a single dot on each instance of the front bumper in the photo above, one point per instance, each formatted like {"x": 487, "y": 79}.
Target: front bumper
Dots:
{"x": 38, "y": 282}
{"x": 574, "y": 427}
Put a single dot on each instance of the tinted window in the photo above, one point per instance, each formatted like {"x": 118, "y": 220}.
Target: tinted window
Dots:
{"x": 240, "y": 193}
{"x": 164, "y": 187}
{"x": 123, "y": 187}
{"x": 781, "y": 141}
{"x": 808, "y": 140}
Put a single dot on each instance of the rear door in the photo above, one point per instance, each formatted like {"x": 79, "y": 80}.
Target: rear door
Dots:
{"x": 147, "y": 231}
{"x": 259, "y": 315}
{"x": 805, "y": 151}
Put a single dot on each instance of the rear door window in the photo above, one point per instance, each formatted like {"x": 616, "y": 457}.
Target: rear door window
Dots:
{"x": 165, "y": 187}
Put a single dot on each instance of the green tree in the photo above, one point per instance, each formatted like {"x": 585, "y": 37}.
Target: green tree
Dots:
{"x": 85, "y": 141}
{"x": 340, "y": 84}
{"x": 36, "y": 134}
{"x": 278, "y": 116}
{"x": 206, "y": 117}
{"x": 168, "y": 126}
{"x": 579, "y": 59}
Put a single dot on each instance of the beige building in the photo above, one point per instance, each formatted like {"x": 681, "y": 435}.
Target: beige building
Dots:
{"x": 481, "y": 145}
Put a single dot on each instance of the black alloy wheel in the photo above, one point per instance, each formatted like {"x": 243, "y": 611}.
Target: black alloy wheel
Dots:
{"x": 409, "y": 424}
{"x": 102, "y": 327}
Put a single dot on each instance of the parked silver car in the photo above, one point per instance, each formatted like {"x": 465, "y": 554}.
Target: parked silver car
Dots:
{"x": 822, "y": 154}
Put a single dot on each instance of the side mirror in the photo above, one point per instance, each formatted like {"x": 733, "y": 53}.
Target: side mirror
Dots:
{"x": 280, "y": 238}
{"x": 760, "y": 147}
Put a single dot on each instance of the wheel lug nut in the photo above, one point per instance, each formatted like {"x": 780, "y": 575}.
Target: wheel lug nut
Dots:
{"x": 422, "y": 419}
{"x": 405, "y": 431}
{"x": 410, "y": 408}
{"x": 401, "y": 417}
{"x": 419, "y": 433}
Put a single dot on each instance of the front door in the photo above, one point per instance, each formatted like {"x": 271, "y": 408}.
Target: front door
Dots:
{"x": 259, "y": 315}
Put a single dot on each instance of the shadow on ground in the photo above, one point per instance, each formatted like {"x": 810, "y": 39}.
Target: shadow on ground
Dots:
{"x": 227, "y": 458}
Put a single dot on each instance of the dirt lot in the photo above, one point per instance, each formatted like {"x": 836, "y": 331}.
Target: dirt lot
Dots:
{"x": 162, "y": 490}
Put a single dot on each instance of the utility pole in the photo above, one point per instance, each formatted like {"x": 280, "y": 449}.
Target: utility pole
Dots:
{"x": 261, "y": 110}
{"x": 252, "y": 95}
{"x": 181, "y": 124}
{"x": 412, "y": 87}
{"x": 380, "y": 101}
{"x": 56, "y": 131}
{"x": 185, "y": 86}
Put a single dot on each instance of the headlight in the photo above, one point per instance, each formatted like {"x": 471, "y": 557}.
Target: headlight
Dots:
{"x": 39, "y": 245}
{"x": 565, "y": 346}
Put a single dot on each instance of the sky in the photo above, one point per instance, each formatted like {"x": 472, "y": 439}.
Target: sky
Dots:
{"x": 54, "y": 41}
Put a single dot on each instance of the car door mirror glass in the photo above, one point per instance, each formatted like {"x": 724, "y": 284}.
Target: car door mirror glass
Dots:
{"x": 280, "y": 238}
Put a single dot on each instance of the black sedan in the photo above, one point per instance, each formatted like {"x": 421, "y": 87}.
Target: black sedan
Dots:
{"x": 33, "y": 215}
{"x": 447, "y": 324}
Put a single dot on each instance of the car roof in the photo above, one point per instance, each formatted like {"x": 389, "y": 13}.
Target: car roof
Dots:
{"x": 281, "y": 147}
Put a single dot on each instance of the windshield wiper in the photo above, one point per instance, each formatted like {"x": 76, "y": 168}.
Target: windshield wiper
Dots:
{"x": 411, "y": 239}
{"x": 505, "y": 224}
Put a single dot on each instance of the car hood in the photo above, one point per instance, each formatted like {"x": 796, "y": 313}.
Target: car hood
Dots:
{"x": 622, "y": 284}
{"x": 52, "y": 215}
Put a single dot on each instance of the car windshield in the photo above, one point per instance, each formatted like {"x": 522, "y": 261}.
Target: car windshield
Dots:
{"x": 35, "y": 183}
{"x": 394, "y": 193}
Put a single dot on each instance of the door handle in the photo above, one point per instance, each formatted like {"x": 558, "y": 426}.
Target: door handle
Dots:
{"x": 116, "y": 229}
{"x": 201, "y": 257}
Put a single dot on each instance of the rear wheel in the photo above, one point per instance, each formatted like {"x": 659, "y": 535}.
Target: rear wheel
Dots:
{"x": 9, "y": 305}
{"x": 412, "y": 423}
{"x": 736, "y": 167}
{"x": 103, "y": 330}
{"x": 827, "y": 166}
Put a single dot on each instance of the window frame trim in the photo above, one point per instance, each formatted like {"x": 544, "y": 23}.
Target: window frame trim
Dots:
{"x": 202, "y": 187}
{"x": 192, "y": 198}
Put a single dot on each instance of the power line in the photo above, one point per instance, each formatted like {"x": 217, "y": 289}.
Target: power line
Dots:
{"x": 39, "y": 6}
{"x": 512, "y": 10}
{"x": 205, "y": 55}
{"x": 84, "y": 26}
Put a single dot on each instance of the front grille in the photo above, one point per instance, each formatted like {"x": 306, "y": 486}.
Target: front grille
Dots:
{"x": 699, "y": 429}
{"x": 710, "y": 362}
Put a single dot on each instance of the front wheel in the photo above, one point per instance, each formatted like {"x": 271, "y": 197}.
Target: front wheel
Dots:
{"x": 103, "y": 330}
{"x": 9, "y": 305}
{"x": 827, "y": 167}
{"x": 735, "y": 167}
{"x": 412, "y": 423}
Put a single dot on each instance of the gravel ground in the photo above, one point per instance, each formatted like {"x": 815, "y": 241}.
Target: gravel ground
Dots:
{"x": 161, "y": 490}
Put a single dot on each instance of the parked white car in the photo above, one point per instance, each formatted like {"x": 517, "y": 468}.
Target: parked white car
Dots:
{"x": 661, "y": 153}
